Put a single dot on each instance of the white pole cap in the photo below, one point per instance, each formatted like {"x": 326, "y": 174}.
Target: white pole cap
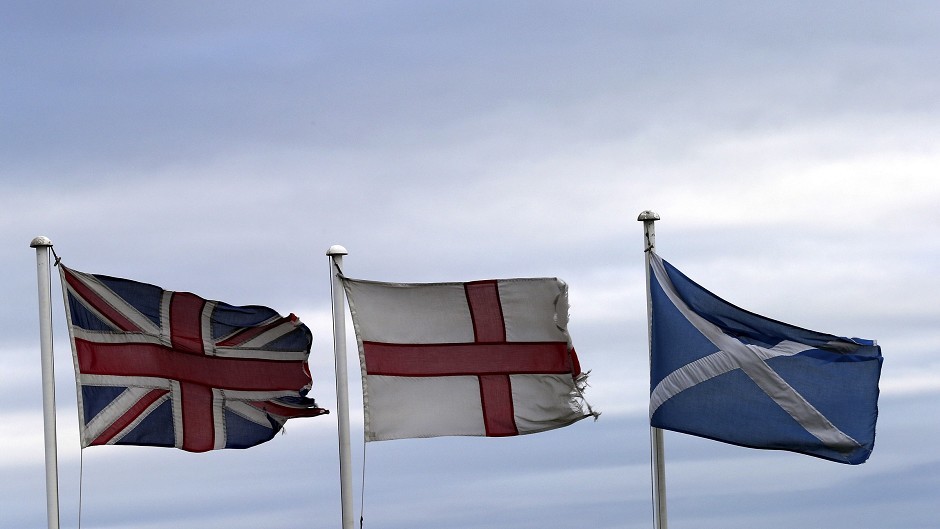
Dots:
{"x": 337, "y": 250}
{"x": 40, "y": 242}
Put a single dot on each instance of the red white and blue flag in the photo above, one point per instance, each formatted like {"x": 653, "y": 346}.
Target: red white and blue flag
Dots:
{"x": 162, "y": 368}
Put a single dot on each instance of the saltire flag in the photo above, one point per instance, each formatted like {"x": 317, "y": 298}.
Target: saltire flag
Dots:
{"x": 484, "y": 358}
{"x": 727, "y": 374}
{"x": 162, "y": 368}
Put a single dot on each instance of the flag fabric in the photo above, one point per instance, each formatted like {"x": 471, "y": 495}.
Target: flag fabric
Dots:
{"x": 484, "y": 358}
{"x": 161, "y": 368}
{"x": 721, "y": 372}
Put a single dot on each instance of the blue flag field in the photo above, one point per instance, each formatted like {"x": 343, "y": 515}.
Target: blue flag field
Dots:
{"x": 723, "y": 373}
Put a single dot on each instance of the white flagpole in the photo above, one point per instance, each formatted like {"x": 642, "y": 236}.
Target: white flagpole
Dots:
{"x": 336, "y": 254}
{"x": 657, "y": 453}
{"x": 43, "y": 246}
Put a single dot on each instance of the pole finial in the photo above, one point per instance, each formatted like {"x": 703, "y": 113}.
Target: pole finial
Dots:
{"x": 648, "y": 215}
{"x": 40, "y": 242}
{"x": 336, "y": 249}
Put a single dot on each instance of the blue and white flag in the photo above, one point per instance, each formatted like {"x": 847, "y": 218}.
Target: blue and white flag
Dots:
{"x": 727, "y": 374}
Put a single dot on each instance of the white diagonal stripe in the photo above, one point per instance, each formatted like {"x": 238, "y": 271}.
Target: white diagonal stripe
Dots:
{"x": 115, "y": 410}
{"x": 248, "y": 412}
{"x": 711, "y": 366}
{"x": 689, "y": 375}
{"x": 734, "y": 354}
{"x": 270, "y": 335}
{"x": 117, "y": 302}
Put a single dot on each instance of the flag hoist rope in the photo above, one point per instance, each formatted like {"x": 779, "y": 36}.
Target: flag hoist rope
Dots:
{"x": 657, "y": 462}
{"x": 43, "y": 248}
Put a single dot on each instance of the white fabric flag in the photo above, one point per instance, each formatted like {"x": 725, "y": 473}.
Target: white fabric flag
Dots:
{"x": 485, "y": 358}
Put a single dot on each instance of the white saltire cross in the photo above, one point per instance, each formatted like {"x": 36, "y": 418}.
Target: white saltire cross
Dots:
{"x": 751, "y": 359}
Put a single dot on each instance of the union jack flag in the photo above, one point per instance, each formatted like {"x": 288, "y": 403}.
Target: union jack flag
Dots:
{"x": 161, "y": 368}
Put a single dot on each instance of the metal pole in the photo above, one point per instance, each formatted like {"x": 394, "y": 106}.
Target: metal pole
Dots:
{"x": 657, "y": 453}
{"x": 336, "y": 254}
{"x": 44, "y": 271}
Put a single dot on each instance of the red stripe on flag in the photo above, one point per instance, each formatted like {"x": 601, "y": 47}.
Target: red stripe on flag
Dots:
{"x": 466, "y": 358}
{"x": 498, "y": 414}
{"x": 186, "y": 322}
{"x": 89, "y": 296}
{"x": 151, "y": 360}
{"x": 575, "y": 363}
{"x": 130, "y": 416}
{"x": 485, "y": 311}
{"x": 198, "y": 423}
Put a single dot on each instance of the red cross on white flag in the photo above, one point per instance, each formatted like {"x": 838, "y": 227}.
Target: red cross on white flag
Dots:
{"x": 486, "y": 358}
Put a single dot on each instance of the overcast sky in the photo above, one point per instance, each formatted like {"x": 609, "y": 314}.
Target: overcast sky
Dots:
{"x": 222, "y": 148}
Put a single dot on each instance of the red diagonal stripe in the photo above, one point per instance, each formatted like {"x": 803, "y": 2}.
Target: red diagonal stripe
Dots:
{"x": 150, "y": 360}
{"x": 485, "y": 311}
{"x": 89, "y": 296}
{"x": 251, "y": 332}
{"x": 466, "y": 358}
{"x": 130, "y": 416}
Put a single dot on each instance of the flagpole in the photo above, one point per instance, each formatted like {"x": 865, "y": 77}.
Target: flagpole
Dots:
{"x": 657, "y": 453}
{"x": 336, "y": 253}
{"x": 43, "y": 246}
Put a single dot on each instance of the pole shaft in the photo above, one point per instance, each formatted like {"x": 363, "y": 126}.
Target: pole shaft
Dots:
{"x": 342, "y": 386}
{"x": 657, "y": 450}
{"x": 43, "y": 275}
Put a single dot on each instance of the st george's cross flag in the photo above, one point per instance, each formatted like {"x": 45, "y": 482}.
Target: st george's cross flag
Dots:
{"x": 161, "y": 368}
{"x": 485, "y": 358}
{"x": 724, "y": 373}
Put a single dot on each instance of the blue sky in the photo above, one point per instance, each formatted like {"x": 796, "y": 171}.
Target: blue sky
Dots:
{"x": 222, "y": 148}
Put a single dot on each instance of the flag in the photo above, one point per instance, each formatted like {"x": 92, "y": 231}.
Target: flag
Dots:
{"x": 721, "y": 372}
{"x": 485, "y": 358}
{"x": 161, "y": 368}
